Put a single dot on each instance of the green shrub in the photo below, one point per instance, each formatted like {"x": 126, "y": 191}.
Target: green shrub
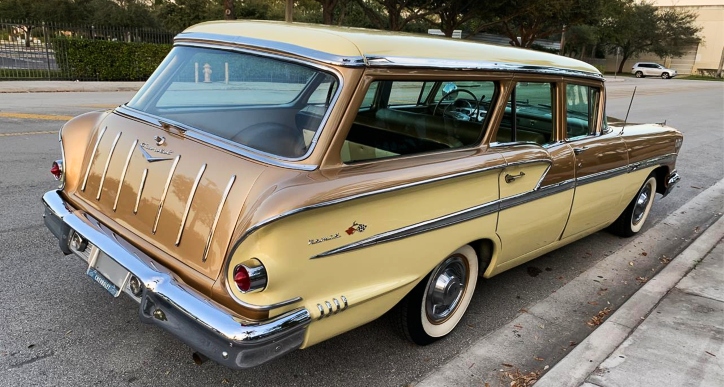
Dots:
{"x": 107, "y": 60}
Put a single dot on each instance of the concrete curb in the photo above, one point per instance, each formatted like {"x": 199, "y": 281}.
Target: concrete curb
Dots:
{"x": 591, "y": 352}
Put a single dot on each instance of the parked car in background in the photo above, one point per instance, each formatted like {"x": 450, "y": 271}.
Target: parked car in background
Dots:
{"x": 274, "y": 185}
{"x": 651, "y": 69}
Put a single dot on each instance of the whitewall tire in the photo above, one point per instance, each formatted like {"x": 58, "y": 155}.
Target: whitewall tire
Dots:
{"x": 436, "y": 305}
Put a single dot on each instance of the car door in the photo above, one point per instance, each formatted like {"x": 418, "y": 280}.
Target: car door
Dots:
{"x": 600, "y": 159}
{"x": 536, "y": 187}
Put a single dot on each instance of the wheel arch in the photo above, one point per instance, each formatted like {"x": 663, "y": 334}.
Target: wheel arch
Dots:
{"x": 485, "y": 248}
{"x": 661, "y": 173}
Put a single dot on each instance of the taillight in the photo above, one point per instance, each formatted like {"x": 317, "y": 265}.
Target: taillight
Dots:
{"x": 250, "y": 276}
{"x": 57, "y": 169}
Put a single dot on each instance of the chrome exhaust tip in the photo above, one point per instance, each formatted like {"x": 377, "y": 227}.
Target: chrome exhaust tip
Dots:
{"x": 198, "y": 358}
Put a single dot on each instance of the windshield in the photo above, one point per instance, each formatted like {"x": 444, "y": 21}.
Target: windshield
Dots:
{"x": 267, "y": 104}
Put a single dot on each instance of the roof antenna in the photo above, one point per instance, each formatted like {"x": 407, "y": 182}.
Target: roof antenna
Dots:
{"x": 628, "y": 111}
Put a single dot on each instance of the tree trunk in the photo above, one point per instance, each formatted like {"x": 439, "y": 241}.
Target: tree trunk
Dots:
{"x": 289, "y": 11}
{"x": 229, "y": 13}
{"x": 27, "y": 35}
{"x": 623, "y": 60}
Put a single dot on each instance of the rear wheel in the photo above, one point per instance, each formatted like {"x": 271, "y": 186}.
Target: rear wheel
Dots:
{"x": 639, "y": 74}
{"x": 665, "y": 76}
{"x": 634, "y": 216}
{"x": 435, "y": 306}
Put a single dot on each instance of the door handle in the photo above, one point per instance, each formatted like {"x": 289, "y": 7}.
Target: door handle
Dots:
{"x": 578, "y": 151}
{"x": 511, "y": 178}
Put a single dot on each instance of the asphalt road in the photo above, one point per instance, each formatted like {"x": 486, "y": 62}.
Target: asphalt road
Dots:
{"x": 60, "y": 328}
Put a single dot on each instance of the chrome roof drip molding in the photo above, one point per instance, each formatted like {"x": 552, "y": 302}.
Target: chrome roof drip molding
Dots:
{"x": 264, "y": 44}
{"x": 389, "y": 61}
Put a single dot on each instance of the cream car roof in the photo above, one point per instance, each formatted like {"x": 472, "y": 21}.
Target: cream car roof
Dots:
{"x": 357, "y": 46}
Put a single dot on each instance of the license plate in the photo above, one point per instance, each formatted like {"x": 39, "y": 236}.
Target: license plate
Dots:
{"x": 108, "y": 273}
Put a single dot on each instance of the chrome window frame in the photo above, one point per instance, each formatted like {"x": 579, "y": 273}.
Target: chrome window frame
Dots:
{"x": 238, "y": 148}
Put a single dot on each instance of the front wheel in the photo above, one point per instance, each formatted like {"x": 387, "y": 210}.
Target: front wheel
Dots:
{"x": 665, "y": 76}
{"x": 634, "y": 216}
{"x": 435, "y": 306}
{"x": 639, "y": 74}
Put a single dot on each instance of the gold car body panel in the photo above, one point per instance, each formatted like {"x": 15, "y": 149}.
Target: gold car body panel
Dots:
{"x": 172, "y": 192}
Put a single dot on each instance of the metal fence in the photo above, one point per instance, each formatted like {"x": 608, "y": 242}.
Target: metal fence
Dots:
{"x": 28, "y": 48}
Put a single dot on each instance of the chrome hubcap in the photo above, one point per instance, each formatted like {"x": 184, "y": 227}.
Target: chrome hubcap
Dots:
{"x": 641, "y": 203}
{"x": 445, "y": 289}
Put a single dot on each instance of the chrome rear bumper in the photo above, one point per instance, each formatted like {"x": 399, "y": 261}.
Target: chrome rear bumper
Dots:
{"x": 204, "y": 325}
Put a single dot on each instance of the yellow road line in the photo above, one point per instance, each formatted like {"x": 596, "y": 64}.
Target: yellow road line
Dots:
{"x": 30, "y": 116}
{"x": 28, "y": 133}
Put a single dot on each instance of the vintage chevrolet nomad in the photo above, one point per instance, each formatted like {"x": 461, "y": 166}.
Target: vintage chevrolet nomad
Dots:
{"x": 274, "y": 185}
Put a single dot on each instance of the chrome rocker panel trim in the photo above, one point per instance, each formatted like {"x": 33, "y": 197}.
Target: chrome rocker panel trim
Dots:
{"x": 207, "y": 327}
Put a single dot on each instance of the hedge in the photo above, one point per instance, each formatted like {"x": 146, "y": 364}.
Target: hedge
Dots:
{"x": 108, "y": 60}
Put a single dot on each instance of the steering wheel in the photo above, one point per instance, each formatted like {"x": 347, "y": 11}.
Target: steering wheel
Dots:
{"x": 458, "y": 115}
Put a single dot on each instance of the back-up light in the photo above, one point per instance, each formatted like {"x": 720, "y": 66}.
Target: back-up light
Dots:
{"x": 57, "y": 169}
{"x": 250, "y": 276}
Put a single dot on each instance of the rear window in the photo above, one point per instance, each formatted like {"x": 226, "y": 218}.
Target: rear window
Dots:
{"x": 264, "y": 103}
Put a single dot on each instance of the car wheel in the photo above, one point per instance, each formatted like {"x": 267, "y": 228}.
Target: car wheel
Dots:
{"x": 665, "y": 75}
{"x": 634, "y": 216}
{"x": 435, "y": 306}
{"x": 639, "y": 74}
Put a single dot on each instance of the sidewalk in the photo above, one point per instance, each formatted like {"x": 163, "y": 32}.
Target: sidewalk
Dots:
{"x": 65, "y": 86}
{"x": 670, "y": 333}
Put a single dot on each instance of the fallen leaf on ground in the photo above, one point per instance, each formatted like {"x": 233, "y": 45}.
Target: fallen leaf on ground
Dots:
{"x": 644, "y": 253}
{"x": 519, "y": 379}
{"x": 506, "y": 365}
{"x": 538, "y": 358}
{"x": 599, "y": 317}
{"x": 642, "y": 280}
{"x": 631, "y": 263}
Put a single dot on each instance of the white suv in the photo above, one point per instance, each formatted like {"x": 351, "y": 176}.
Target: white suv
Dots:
{"x": 645, "y": 69}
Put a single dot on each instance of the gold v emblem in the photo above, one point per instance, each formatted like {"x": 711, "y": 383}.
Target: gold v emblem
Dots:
{"x": 150, "y": 158}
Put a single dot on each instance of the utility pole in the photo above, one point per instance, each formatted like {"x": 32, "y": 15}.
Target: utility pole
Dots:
{"x": 288, "y": 11}
{"x": 229, "y": 10}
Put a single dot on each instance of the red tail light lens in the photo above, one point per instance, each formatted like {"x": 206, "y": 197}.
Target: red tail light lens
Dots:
{"x": 57, "y": 169}
{"x": 250, "y": 276}
{"x": 241, "y": 277}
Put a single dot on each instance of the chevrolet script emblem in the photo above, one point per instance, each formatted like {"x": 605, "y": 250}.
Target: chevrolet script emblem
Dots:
{"x": 144, "y": 147}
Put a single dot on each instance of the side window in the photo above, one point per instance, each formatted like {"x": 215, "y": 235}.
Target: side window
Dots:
{"x": 581, "y": 110}
{"x": 369, "y": 99}
{"x": 405, "y": 93}
{"x": 324, "y": 92}
{"x": 529, "y": 114}
{"x": 411, "y": 117}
